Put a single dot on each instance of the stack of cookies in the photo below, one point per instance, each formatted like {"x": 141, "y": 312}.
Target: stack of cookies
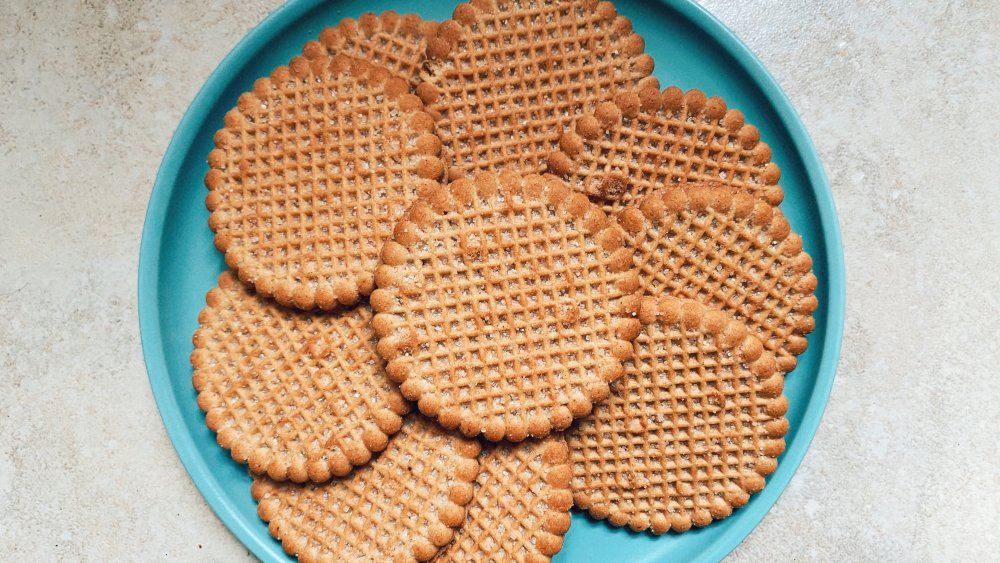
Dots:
{"x": 484, "y": 270}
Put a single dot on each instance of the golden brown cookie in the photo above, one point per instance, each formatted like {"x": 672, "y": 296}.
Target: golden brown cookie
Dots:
{"x": 645, "y": 140}
{"x": 691, "y": 430}
{"x": 403, "y": 506}
{"x": 311, "y": 171}
{"x": 503, "y": 305}
{"x": 396, "y": 42}
{"x": 295, "y": 395}
{"x": 520, "y": 510}
{"x": 730, "y": 251}
{"x": 509, "y": 77}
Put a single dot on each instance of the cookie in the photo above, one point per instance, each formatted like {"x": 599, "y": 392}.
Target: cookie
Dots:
{"x": 730, "y": 251}
{"x": 309, "y": 174}
{"x": 295, "y": 395}
{"x": 403, "y": 506}
{"x": 645, "y": 140}
{"x": 509, "y": 77}
{"x": 691, "y": 430}
{"x": 396, "y": 42}
{"x": 520, "y": 508}
{"x": 503, "y": 305}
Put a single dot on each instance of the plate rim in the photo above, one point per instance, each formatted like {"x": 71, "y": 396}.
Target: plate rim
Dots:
{"x": 180, "y": 145}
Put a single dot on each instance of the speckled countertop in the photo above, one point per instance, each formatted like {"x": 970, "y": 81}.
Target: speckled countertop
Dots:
{"x": 900, "y": 98}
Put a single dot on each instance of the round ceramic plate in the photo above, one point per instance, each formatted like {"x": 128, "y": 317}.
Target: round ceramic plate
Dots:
{"x": 178, "y": 262}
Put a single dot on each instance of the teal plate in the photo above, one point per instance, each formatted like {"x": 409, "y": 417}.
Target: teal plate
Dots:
{"x": 178, "y": 263}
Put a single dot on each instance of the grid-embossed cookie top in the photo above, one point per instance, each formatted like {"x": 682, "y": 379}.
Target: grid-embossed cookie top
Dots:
{"x": 311, "y": 170}
{"x": 396, "y": 42}
{"x": 644, "y": 141}
{"x": 520, "y": 509}
{"x": 688, "y": 432}
{"x": 298, "y": 396}
{"x": 729, "y": 251}
{"x": 513, "y": 75}
{"x": 402, "y": 506}
{"x": 501, "y": 312}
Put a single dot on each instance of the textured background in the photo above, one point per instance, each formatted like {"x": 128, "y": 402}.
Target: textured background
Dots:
{"x": 900, "y": 98}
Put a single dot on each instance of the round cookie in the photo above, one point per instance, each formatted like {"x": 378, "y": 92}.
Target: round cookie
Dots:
{"x": 297, "y": 396}
{"x": 403, "y": 506}
{"x": 509, "y": 77}
{"x": 730, "y": 251}
{"x": 396, "y": 42}
{"x": 520, "y": 510}
{"x": 309, "y": 174}
{"x": 503, "y": 305}
{"x": 689, "y": 432}
{"x": 645, "y": 140}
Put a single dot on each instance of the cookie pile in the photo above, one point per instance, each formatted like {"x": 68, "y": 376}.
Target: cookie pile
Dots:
{"x": 484, "y": 270}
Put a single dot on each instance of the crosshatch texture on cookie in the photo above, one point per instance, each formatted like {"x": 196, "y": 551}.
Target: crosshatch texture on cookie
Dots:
{"x": 509, "y": 77}
{"x": 403, "y": 506}
{"x": 396, "y": 42}
{"x": 297, "y": 396}
{"x": 504, "y": 305}
{"x": 730, "y": 251}
{"x": 643, "y": 140}
{"x": 311, "y": 170}
{"x": 690, "y": 431}
{"x": 520, "y": 510}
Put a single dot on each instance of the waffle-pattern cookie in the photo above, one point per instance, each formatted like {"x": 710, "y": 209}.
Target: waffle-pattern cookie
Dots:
{"x": 311, "y": 170}
{"x": 691, "y": 430}
{"x": 520, "y": 510}
{"x": 510, "y": 76}
{"x": 730, "y": 251}
{"x": 391, "y": 40}
{"x": 403, "y": 506}
{"x": 503, "y": 305}
{"x": 645, "y": 140}
{"x": 297, "y": 396}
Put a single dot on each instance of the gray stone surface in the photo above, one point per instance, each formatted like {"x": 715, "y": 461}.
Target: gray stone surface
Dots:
{"x": 900, "y": 98}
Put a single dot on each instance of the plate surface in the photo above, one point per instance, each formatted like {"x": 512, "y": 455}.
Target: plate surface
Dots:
{"x": 178, "y": 263}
